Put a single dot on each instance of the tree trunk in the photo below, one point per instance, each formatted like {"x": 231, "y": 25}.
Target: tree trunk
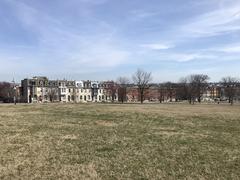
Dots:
{"x": 199, "y": 99}
{"x": 193, "y": 100}
{"x": 141, "y": 97}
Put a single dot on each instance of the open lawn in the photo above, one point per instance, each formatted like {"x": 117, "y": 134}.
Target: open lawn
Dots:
{"x": 106, "y": 141}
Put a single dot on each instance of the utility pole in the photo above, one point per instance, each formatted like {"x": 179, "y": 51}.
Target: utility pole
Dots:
{"x": 42, "y": 91}
{"x": 14, "y": 92}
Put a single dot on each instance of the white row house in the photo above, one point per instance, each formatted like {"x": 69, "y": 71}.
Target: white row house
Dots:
{"x": 40, "y": 89}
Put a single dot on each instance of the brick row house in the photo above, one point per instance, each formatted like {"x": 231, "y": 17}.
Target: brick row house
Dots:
{"x": 155, "y": 93}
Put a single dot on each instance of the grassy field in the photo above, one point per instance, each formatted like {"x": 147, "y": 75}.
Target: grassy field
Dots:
{"x": 105, "y": 141}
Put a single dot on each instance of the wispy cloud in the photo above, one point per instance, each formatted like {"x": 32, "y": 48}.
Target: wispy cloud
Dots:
{"x": 69, "y": 46}
{"x": 231, "y": 48}
{"x": 157, "y": 46}
{"x": 185, "y": 57}
{"x": 142, "y": 14}
{"x": 220, "y": 21}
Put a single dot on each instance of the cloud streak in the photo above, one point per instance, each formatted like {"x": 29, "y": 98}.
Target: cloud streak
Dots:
{"x": 69, "y": 46}
{"x": 157, "y": 46}
{"x": 220, "y": 21}
{"x": 232, "y": 48}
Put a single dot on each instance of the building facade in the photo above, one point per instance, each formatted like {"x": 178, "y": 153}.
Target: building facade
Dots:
{"x": 40, "y": 89}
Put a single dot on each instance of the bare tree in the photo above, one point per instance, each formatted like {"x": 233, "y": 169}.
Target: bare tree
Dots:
{"x": 230, "y": 85}
{"x": 193, "y": 87}
{"x": 6, "y": 92}
{"x": 111, "y": 89}
{"x": 52, "y": 94}
{"x": 197, "y": 86}
{"x": 161, "y": 92}
{"x": 123, "y": 83}
{"x": 169, "y": 90}
{"x": 142, "y": 79}
{"x": 182, "y": 89}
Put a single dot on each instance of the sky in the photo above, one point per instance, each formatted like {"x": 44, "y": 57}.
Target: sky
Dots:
{"x": 105, "y": 39}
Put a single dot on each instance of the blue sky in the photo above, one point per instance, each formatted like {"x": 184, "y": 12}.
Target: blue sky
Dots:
{"x": 104, "y": 39}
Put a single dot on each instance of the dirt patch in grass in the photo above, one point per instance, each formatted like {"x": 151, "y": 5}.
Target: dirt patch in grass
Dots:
{"x": 105, "y": 123}
{"x": 69, "y": 136}
{"x": 77, "y": 171}
{"x": 169, "y": 133}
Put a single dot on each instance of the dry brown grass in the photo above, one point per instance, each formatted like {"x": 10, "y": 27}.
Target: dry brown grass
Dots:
{"x": 114, "y": 141}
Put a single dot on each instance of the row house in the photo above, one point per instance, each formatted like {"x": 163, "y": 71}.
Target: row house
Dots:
{"x": 109, "y": 91}
{"x": 132, "y": 93}
{"x": 89, "y": 91}
{"x": 34, "y": 90}
{"x": 212, "y": 92}
{"x": 156, "y": 92}
{"x": 40, "y": 89}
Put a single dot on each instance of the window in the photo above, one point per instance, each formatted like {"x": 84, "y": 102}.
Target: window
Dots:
{"x": 80, "y": 97}
{"x": 69, "y": 90}
{"x": 89, "y": 97}
{"x": 35, "y": 97}
{"x": 99, "y": 98}
{"x": 85, "y": 98}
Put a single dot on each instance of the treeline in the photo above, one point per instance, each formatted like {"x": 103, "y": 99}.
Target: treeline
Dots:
{"x": 6, "y": 92}
{"x": 190, "y": 88}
